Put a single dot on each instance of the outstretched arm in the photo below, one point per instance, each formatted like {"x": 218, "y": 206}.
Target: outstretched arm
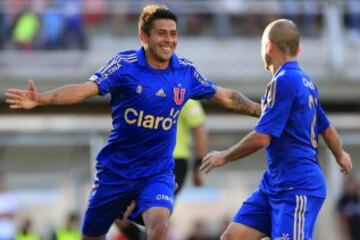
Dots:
{"x": 68, "y": 94}
{"x": 236, "y": 102}
{"x": 332, "y": 140}
{"x": 249, "y": 144}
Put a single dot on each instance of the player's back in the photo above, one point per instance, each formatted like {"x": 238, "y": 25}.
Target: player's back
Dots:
{"x": 292, "y": 112}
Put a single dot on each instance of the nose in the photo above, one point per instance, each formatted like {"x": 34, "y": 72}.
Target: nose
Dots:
{"x": 168, "y": 37}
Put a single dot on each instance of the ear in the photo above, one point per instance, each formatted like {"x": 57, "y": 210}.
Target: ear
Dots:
{"x": 269, "y": 47}
{"x": 299, "y": 49}
{"x": 143, "y": 37}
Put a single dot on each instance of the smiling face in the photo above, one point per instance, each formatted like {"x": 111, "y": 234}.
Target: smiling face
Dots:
{"x": 160, "y": 43}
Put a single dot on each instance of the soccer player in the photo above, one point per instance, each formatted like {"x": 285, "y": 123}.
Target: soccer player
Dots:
{"x": 148, "y": 88}
{"x": 292, "y": 189}
{"x": 190, "y": 129}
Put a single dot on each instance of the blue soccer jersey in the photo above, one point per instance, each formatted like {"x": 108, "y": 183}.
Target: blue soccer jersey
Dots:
{"x": 293, "y": 117}
{"x": 145, "y": 105}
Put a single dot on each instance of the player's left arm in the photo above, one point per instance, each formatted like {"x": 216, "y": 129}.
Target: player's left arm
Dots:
{"x": 248, "y": 145}
{"x": 236, "y": 102}
{"x": 333, "y": 141}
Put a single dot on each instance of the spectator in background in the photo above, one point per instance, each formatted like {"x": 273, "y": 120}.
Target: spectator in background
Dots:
{"x": 95, "y": 11}
{"x": 190, "y": 129}
{"x": 26, "y": 232}
{"x": 52, "y": 28}
{"x": 25, "y": 30}
{"x": 74, "y": 25}
{"x": 352, "y": 10}
{"x": 8, "y": 209}
{"x": 71, "y": 229}
{"x": 302, "y": 12}
{"x": 349, "y": 208}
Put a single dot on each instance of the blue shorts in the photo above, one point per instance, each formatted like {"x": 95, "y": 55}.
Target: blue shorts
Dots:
{"x": 112, "y": 194}
{"x": 281, "y": 217}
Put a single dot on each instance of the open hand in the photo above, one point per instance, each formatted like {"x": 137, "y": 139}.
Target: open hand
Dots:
{"x": 345, "y": 162}
{"x": 212, "y": 160}
{"x": 22, "y": 99}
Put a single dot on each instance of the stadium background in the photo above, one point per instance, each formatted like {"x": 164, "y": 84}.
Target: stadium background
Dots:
{"x": 48, "y": 154}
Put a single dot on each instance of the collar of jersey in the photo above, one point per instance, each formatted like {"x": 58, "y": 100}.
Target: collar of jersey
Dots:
{"x": 287, "y": 65}
{"x": 174, "y": 61}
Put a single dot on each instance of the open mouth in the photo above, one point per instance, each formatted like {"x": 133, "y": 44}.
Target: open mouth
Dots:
{"x": 167, "y": 49}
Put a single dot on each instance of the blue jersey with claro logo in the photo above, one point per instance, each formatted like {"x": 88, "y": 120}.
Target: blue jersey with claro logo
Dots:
{"x": 293, "y": 117}
{"x": 145, "y": 105}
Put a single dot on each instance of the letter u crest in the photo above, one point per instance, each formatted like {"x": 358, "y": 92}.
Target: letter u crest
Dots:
{"x": 179, "y": 95}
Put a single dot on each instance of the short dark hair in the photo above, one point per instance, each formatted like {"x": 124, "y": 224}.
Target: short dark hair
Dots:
{"x": 150, "y": 13}
{"x": 285, "y": 34}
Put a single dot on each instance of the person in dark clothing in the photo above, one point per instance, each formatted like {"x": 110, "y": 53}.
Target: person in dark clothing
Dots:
{"x": 349, "y": 208}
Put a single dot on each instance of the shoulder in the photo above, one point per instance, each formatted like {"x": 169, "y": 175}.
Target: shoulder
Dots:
{"x": 129, "y": 56}
{"x": 186, "y": 63}
{"x": 115, "y": 64}
{"x": 195, "y": 71}
{"x": 119, "y": 61}
{"x": 287, "y": 80}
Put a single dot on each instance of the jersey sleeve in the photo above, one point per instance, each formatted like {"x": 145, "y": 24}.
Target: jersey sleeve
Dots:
{"x": 193, "y": 114}
{"x": 322, "y": 120}
{"x": 277, "y": 107}
{"x": 107, "y": 77}
{"x": 201, "y": 86}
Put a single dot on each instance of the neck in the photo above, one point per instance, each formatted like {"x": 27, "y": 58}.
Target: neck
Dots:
{"x": 278, "y": 62}
{"x": 154, "y": 62}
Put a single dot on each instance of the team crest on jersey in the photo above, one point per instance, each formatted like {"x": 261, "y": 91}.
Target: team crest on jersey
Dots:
{"x": 179, "y": 95}
{"x": 139, "y": 89}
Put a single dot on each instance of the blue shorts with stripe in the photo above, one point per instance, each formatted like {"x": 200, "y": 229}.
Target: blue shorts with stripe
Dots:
{"x": 112, "y": 194}
{"x": 285, "y": 217}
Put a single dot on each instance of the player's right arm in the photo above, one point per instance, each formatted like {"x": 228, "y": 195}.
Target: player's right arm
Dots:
{"x": 248, "y": 145}
{"x": 228, "y": 98}
{"x": 68, "y": 94}
{"x": 332, "y": 140}
{"x": 237, "y": 102}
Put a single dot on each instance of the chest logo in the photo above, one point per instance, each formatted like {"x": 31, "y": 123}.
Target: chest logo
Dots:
{"x": 179, "y": 95}
{"x": 160, "y": 93}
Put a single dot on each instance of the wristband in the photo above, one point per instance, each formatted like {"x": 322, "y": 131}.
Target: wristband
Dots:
{"x": 197, "y": 163}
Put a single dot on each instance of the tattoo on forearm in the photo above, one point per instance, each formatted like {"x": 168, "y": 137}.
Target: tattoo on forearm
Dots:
{"x": 242, "y": 104}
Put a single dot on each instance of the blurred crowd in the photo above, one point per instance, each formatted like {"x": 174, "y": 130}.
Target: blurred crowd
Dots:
{"x": 56, "y": 24}
{"x": 51, "y": 25}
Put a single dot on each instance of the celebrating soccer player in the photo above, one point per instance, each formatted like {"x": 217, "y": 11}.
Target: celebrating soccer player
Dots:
{"x": 148, "y": 88}
{"x": 292, "y": 190}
